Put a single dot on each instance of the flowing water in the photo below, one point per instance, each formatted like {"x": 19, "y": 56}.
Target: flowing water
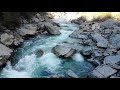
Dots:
{"x": 27, "y": 65}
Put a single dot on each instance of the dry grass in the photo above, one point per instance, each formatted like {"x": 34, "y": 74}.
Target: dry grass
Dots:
{"x": 100, "y": 15}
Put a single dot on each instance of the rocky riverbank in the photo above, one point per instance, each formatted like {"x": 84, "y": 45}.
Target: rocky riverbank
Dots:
{"x": 98, "y": 41}
{"x": 11, "y": 39}
{"x": 101, "y": 45}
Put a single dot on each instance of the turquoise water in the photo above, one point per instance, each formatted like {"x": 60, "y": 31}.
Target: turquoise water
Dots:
{"x": 25, "y": 64}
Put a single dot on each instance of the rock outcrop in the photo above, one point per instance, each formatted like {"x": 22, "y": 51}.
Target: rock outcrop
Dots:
{"x": 5, "y": 53}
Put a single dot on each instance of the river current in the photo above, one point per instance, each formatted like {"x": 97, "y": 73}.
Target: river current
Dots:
{"x": 27, "y": 65}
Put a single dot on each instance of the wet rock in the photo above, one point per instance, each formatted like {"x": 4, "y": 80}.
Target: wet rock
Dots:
{"x": 101, "y": 41}
{"x": 63, "y": 51}
{"x": 71, "y": 74}
{"x": 116, "y": 41}
{"x": 5, "y": 53}
{"x": 102, "y": 71}
{"x": 7, "y": 39}
{"x": 113, "y": 61}
{"x": 27, "y": 30}
{"x": 53, "y": 30}
{"x": 39, "y": 53}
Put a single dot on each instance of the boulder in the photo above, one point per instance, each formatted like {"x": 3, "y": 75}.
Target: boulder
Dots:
{"x": 27, "y": 30}
{"x": 77, "y": 34}
{"x": 39, "y": 53}
{"x": 63, "y": 51}
{"x": 7, "y": 39}
{"x": 115, "y": 41}
{"x": 71, "y": 74}
{"x": 102, "y": 71}
{"x": 101, "y": 41}
{"x": 5, "y": 53}
{"x": 110, "y": 23}
{"x": 51, "y": 29}
{"x": 113, "y": 61}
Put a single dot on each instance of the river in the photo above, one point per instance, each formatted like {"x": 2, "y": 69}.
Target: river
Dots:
{"x": 27, "y": 65}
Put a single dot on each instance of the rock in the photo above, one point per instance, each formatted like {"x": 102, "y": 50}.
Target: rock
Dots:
{"x": 5, "y": 53}
{"x": 96, "y": 26}
{"x": 113, "y": 60}
{"x": 94, "y": 61}
{"x": 97, "y": 53}
{"x": 41, "y": 25}
{"x": 77, "y": 34}
{"x": 116, "y": 41}
{"x": 109, "y": 51}
{"x": 7, "y": 39}
{"x": 71, "y": 74}
{"x": 101, "y": 41}
{"x": 55, "y": 76}
{"x": 118, "y": 74}
{"x": 27, "y": 30}
{"x": 63, "y": 51}
{"x": 17, "y": 39}
{"x": 39, "y": 53}
{"x": 116, "y": 30}
{"x": 87, "y": 51}
{"x": 114, "y": 77}
{"x": 110, "y": 23}
{"x": 118, "y": 52}
{"x": 53, "y": 30}
{"x": 102, "y": 71}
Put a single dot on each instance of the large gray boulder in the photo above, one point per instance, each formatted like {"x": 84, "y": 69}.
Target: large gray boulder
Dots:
{"x": 5, "y": 53}
{"x": 114, "y": 61}
{"x": 102, "y": 71}
{"x": 115, "y": 41}
{"x": 27, "y": 30}
{"x": 51, "y": 29}
{"x": 63, "y": 51}
{"x": 7, "y": 39}
{"x": 77, "y": 34}
{"x": 101, "y": 41}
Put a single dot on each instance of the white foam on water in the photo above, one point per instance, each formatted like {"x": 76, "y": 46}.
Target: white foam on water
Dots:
{"x": 78, "y": 57}
{"x": 50, "y": 61}
{"x": 9, "y": 72}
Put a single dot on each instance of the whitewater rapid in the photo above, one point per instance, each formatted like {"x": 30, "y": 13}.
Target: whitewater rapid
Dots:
{"x": 30, "y": 66}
